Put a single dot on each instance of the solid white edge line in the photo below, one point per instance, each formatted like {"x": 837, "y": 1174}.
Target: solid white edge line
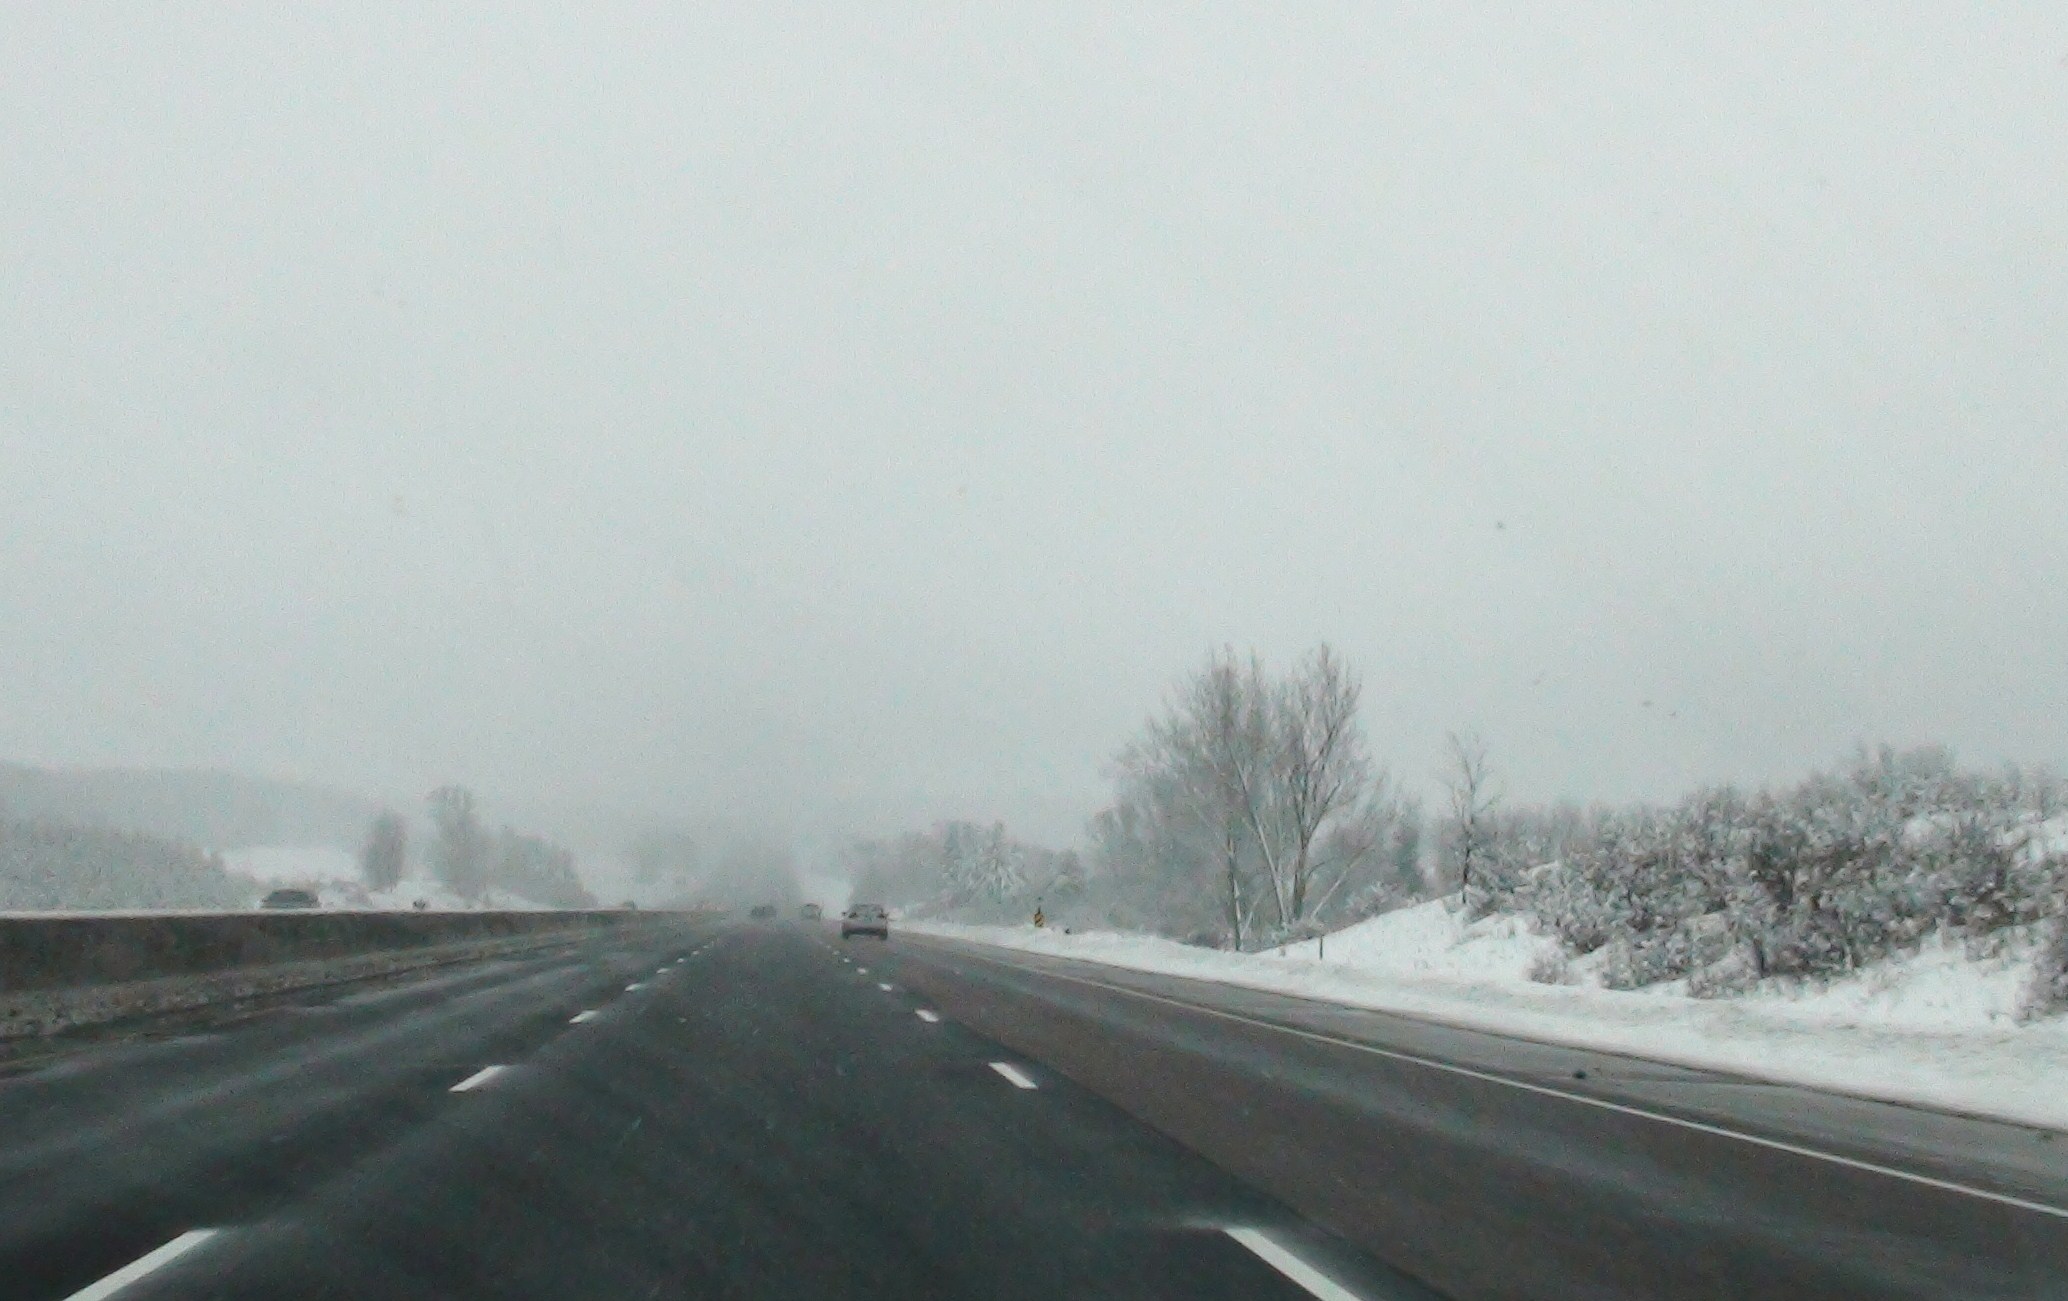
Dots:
{"x": 478, "y": 1078}
{"x": 580, "y": 1017}
{"x": 929, "y": 1017}
{"x": 142, "y": 1265}
{"x": 1015, "y": 1074}
{"x": 1699, "y": 1127}
{"x": 1265, "y": 1248}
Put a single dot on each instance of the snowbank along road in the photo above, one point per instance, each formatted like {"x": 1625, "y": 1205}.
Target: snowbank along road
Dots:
{"x": 762, "y": 1111}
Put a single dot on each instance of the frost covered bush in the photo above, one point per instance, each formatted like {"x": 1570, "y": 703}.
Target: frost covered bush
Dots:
{"x": 2047, "y": 993}
{"x": 1550, "y": 968}
{"x": 1567, "y": 908}
{"x": 1820, "y": 878}
{"x": 1637, "y": 886}
{"x": 1733, "y": 973}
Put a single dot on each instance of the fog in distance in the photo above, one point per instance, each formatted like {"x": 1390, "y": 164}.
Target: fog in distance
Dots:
{"x": 836, "y": 419}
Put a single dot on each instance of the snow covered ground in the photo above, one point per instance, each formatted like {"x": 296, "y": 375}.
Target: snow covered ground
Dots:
{"x": 334, "y": 875}
{"x": 1934, "y": 1028}
{"x": 308, "y": 865}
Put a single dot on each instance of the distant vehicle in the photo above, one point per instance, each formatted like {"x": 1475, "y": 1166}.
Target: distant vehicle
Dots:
{"x": 865, "y": 919}
{"x": 290, "y": 899}
{"x": 811, "y": 912}
{"x": 763, "y": 912}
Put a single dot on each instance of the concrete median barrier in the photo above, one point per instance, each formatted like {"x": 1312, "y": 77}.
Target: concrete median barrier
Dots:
{"x": 60, "y": 972}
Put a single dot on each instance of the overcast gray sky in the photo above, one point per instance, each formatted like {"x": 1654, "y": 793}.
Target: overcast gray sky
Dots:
{"x": 866, "y": 411}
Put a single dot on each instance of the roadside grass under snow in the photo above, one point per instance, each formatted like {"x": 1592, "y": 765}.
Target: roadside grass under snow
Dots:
{"x": 1934, "y": 1027}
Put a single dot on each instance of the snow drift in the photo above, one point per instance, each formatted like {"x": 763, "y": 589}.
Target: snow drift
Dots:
{"x": 1936, "y": 1026}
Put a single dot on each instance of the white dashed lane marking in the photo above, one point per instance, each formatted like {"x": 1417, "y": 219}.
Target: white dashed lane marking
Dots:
{"x": 929, "y": 1017}
{"x": 1011, "y": 1072}
{"x": 580, "y": 1017}
{"x": 885, "y": 988}
{"x": 635, "y": 985}
{"x": 1267, "y": 1249}
{"x": 478, "y": 1078}
{"x": 143, "y": 1265}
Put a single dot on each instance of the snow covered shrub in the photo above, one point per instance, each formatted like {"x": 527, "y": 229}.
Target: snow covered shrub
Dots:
{"x": 1550, "y": 967}
{"x": 1838, "y": 875}
{"x": 1836, "y": 872}
{"x": 2047, "y": 992}
{"x": 1639, "y": 883}
{"x": 1855, "y": 867}
{"x": 1632, "y": 962}
{"x": 1708, "y": 938}
{"x": 1983, "y": 873}
{"x": 1733, "y": 973}
{"x": 1564, "y": 907}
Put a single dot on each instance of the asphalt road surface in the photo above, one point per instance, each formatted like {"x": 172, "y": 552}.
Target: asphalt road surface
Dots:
{"x": 766, "y": 1111}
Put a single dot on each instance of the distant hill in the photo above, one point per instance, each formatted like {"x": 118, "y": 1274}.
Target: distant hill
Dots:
{"x": 46, "y": 864}
{"x": 217, "y": 810}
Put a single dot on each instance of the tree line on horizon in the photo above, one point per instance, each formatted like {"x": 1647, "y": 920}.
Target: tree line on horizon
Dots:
{"x": 48, "y": 863}
{"x": 469, "y": 858}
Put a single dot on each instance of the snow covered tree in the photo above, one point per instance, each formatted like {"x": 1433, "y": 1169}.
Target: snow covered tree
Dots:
{"x": 1470, "y": 833}
{"x": 1330, "y": 808}
{"x": 667, "y": 860}
{"x": 535, "y": 869}
{"x": 2045, "y": 791}
{"x": 1207, "y": 761}
{"x": 1266, "y": 779}
{"x": 386, "y": 851}
{"x": 958, "y": 847}
{"x": 997, "y": 870}
{"x": 460, "y": 854}
{"x": 1404, "y": 848}
{"x": 1151, "y": 868}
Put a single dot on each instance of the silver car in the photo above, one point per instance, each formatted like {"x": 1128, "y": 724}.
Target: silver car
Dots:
{"x": 865, "y": 919}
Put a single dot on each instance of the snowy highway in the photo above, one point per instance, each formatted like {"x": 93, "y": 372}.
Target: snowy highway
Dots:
{"x": 764, "y": 1111}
